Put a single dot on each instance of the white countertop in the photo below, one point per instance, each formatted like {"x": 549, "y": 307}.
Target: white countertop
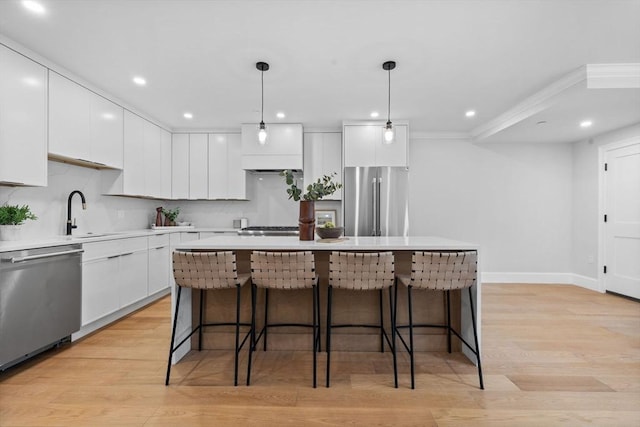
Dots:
{"x": 350, "y": 243}
{"x": 79, "y": 238}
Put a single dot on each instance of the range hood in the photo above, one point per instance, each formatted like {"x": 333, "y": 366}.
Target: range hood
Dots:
{"x": 283, "y": 149}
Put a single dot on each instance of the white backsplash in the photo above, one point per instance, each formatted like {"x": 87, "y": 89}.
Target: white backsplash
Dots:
{"x": 268, "y": 204}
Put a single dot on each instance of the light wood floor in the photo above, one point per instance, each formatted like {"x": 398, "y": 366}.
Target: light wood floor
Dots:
{"x": 553, "y": 355}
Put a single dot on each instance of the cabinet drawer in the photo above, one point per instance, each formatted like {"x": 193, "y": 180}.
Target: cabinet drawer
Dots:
{"x": 158, "y": 240}
{"x": 97, "y": 250}
{"x": 133, "y": 244}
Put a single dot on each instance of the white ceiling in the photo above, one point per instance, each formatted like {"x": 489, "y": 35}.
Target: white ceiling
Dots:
{"x": 326, "y": 56}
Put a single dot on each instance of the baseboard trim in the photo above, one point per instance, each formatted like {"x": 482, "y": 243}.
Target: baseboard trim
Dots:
{"x": 542, "y": 278}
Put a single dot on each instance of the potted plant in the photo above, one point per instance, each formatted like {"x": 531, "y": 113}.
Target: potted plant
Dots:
{"x": 11, "y": 218}
{"x": 316, "y": 191}
{"x": 170, "y": 216}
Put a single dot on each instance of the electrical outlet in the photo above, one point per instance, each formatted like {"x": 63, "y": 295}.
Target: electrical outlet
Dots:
{"x": 590, "y": 259}
{"x": 120, "y": 214}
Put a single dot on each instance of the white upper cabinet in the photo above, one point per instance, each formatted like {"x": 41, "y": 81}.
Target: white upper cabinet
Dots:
{"x": 152, "y": 160}
{"x": 165, "y": 162}
{"x": 134, "y": 155}
{"x": 198, "y": 166}
{"x": 180, "y": 166}
{"x": 323, "y": 156}
{"x": 227, "y": 179}
{"x": 282, "y": 150}
{"x": 23, "y": 120}
{"x": 364, "y": 145}
{"x": 83, "y": 126}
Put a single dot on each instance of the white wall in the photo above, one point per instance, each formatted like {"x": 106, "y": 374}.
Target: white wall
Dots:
{"x": 50, "y": 204}
{"x": 515, "y": 200}
{"x": 585, "y": 199}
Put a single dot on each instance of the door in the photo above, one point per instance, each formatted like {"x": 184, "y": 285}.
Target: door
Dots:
{"x": 360, "y": 203}
{"x": 393, "y": 193}
{"x": 622, "y": 227}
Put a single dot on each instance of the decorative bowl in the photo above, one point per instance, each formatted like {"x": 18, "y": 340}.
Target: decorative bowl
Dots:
{"x": 329, "y": 233}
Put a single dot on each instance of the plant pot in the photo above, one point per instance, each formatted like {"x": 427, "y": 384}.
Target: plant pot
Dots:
{"x": 307, "y": 220}
{"x": 10, "y": 232}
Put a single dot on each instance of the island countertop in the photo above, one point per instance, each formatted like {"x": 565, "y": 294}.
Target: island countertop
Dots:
{"x": 391, "y": 243}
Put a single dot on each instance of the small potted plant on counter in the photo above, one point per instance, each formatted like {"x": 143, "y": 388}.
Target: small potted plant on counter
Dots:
{"x": 316, "y": 191}
{"x": 11, "y": 218}
{"x": 170, "y": 216}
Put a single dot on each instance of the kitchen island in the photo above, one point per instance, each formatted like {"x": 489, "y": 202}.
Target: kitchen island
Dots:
{"x": 295, "y": 306}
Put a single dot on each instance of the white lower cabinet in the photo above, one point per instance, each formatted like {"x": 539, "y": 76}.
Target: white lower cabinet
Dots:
{"x": 99, "y": 289}
{"x": 133, "y": 277}
{"x": 159, "y": 263}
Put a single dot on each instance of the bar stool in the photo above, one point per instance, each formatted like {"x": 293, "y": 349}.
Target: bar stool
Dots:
{"x": 441, "y": 271}
{"x": 283, "y": 271}
{"x": 359, "y": 271}
{"x": 207, "y": 271}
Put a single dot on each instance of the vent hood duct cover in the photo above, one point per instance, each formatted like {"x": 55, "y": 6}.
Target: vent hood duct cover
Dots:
{"x": 283, "y": 149}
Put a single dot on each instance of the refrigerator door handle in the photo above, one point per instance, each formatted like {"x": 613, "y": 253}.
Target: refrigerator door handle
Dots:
{"x": 374, "y": 206}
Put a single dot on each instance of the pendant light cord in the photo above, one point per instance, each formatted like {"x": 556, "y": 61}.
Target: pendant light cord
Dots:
{"x": 389, "y": 98}
{"x": 262, "y": 96}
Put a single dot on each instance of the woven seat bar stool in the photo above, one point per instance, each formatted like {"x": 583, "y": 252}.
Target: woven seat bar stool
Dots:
{"x": 207, "y": 271}
{"x": 283, "y": 271}
{"x": 363, "y": 271}
{"x": 441, "y": 271}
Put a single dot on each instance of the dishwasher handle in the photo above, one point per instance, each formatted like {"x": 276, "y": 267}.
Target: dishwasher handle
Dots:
{"x": 41, "y": 256}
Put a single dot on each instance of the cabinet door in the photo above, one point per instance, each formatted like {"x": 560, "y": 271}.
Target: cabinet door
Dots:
{"x": 198, "y": 166}
{"x": 180, "y": 166}
{"x": 134, "y": 161}
{"x": 394, "y": 154}
{"x": 237, "y": 177}
{"x": 323, "y": 156}
{"x": 313, "y": 157}
{"x": 106, "y": 132}
{"x": 133, "y": 277}
{"x": 99, "y": 288}
{"x": 158, "y": 269}
{"x": 218, "y": 177}
{"x": 152, "y": 160}
{"x": 165, "y": 164}
{"x": 23, "y": 120}
{"x": 69, "y": 118}
{"x": 360, "y": 143}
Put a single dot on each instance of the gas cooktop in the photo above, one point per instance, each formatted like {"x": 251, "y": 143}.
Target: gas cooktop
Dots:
{"x": 269, "y": 231}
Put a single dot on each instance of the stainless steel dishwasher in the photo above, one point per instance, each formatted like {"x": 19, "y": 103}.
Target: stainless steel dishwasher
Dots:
{"x": 40, "y": 300}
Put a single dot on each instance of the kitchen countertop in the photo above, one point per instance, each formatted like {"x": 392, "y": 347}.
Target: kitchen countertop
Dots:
{"x": 349, "y": 244}
{"x": 50, "y": 241}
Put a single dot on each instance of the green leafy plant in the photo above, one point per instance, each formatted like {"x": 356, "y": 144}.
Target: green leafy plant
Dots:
{"x": 322, "y": 187}
{"x": 329, "y": 224}
{"x": 171, "y": 214}
{"x": 15, "y": 214}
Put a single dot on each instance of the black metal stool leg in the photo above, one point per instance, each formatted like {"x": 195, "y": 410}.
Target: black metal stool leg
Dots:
{"x": 318, "y": 313}
{"x": 235, "y": 363}
{"x": 393, "y": 336}
{"x": 315, "y": 331}
{"x": 475, "y": 337}
{"x": 173, "y": 335}
{"x": 448, "y": 297}
{"x": 200, "y": 320}
{"x": 410, "y": 307}
{"x": 266, "y": 322}
{"x": 328, "y": 345}
{"x": 381, "y": 324}
{"x": 252, "y": 343}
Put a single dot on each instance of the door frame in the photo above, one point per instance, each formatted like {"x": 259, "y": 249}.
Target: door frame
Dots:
{"x": 602, "y": 150}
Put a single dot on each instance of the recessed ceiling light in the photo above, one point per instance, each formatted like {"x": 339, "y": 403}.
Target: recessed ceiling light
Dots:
{"x": 470, "y": 113}
{"x": 140, "y": 81}
{"x": 188, "y": 116}
{"x": 280, "y": 115}
{"x": 31, "y": 81}
{"x": 374, "y": 114}
{"x": 586, "y": 123}
{"x": 34, "y": 6}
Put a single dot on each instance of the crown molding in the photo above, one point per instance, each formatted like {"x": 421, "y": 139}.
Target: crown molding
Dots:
{"x": 613, "y": 76}
{"x": 532, "y": 105}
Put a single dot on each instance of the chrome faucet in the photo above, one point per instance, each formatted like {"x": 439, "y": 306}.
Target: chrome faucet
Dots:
{"x": 71, "y": 226}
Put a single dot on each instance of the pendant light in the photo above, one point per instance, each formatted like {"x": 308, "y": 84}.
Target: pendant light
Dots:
{"x": 262, "y": 130}
{"x": 388, "y": 129}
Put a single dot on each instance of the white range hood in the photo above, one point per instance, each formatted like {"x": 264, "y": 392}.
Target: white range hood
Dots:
{"x": 282, "y": 150}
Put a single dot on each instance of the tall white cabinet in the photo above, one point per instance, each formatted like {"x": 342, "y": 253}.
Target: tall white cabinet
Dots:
{"x": 323, "y": 156}
{"x": 227, "y": 179}
{"x": 23, "y": 120}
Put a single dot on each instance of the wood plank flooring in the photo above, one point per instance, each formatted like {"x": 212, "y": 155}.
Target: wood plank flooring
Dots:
{"x": 553, "y": 355}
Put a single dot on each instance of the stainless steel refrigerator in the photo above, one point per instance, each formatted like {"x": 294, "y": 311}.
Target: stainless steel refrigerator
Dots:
{"x": 376, "y": 201}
